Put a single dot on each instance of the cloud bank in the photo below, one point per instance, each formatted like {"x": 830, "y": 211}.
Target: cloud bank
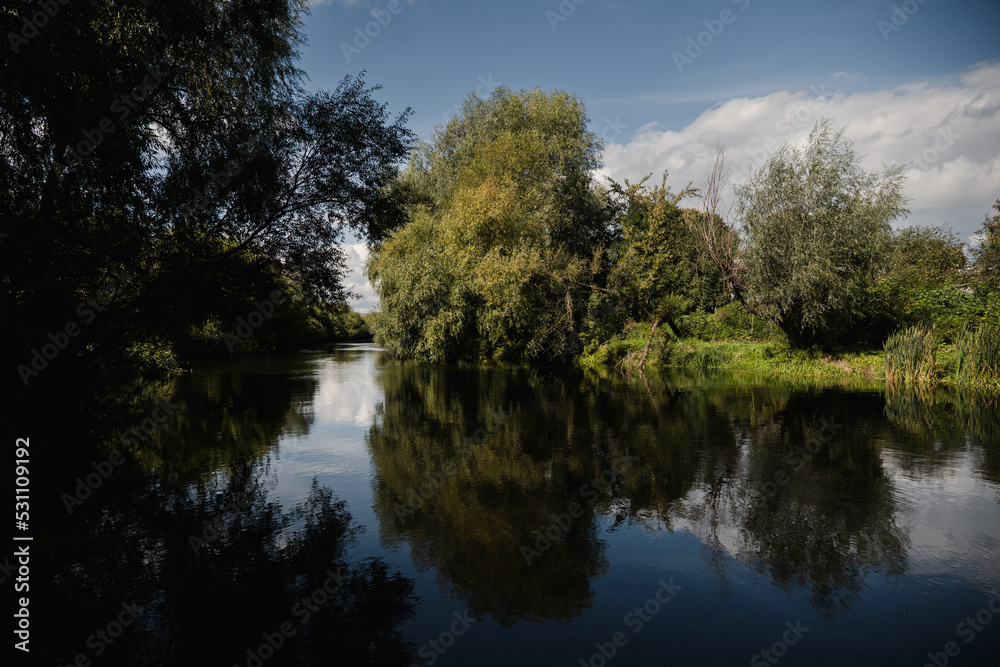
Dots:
{"x": 946, "y": 130}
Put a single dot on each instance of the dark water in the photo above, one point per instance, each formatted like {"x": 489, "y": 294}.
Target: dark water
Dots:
{"x": 461, "y": 516}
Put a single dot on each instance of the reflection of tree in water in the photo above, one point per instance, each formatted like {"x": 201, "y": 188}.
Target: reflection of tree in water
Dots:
{"x": 707, "y": 449}
{"x": 832, "y": 520}
{"x": 829, "y": 526}
{"x": 702, "y": 450}
{"x": 940, "y": 424}
{"x": 472, "y": 520}
{"x": 256, "y": 560}
{"x": 228, "y": 414}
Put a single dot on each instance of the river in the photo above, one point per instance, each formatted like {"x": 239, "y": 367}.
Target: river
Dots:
{"x": 340, "y": 507}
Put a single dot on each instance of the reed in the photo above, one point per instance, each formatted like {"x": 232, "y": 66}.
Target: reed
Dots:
{"x": 910, "y": 355}
{"x": 977, "y": 352}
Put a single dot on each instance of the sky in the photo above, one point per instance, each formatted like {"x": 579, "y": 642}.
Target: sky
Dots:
{"x": 915, "y": 83}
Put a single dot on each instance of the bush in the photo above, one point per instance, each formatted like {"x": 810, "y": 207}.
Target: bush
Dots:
{"x": 730, "y": 323}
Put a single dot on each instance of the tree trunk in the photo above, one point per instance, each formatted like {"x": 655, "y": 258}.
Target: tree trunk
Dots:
{"x": 673, "y": 326}
{"x": 649, "y": 341}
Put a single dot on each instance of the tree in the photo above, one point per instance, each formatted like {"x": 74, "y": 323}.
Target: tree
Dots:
{"x": 503, "y": 214}
{"x": 923, "y": 281}
{"x": 173, "y": 141}
{"x": 313, "y": 167}
{"x": 656, "y": 270}
{"x": 987, "y": 253}
{"x": 926, "y": 255}
{"x": 716, "y": 240}
{"x": 816, "y": 233}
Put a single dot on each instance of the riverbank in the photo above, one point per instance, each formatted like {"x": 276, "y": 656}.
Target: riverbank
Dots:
{"x": 773, "y": 357}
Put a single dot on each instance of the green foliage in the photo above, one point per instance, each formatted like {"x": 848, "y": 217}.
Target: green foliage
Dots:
{"x": 926, "y": 256}
{"x": 978, "y": 355}
{"x": 816, "y": 231}
{"x": 655, "y": 267}
{"x": 224, "y": 179}
{"x": 503, "y": 211}
{"x": 924, "y": 282}
{"x": 949, "y": 307}
{"x": 987, "y": 253}
{"x": 910, "y": 355}
{"x": 777, "y": 358}
{"x": 730, "y": 323}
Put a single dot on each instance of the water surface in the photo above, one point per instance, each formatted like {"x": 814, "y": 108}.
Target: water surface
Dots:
{"x": 480, "y": 516}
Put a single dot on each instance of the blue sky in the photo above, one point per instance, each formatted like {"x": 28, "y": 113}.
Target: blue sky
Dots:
{"x": 915, "y": 82}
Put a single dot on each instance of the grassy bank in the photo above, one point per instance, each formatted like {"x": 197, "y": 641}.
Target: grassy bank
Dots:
{"x": 766, "y": 357}
{"x": 774, "y": 357}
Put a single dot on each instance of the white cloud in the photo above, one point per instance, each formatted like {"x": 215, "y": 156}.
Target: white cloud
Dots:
{"x": 847, "y": 76}
{"x": 948, "y": 130}
{"x": 356, "y": 281}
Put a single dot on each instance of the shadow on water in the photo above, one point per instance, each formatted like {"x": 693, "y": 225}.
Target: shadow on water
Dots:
{"x": 184, "y": 534}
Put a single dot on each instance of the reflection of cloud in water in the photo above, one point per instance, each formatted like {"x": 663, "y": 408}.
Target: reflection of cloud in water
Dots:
{"x": 349, "y": 391}
{"x": 948, "y": 512}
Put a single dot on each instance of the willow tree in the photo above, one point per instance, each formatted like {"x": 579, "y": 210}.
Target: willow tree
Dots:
{"x": 174, "y": 142}
{"x": 816, "y": 232}
{"x": 503, "y": 214}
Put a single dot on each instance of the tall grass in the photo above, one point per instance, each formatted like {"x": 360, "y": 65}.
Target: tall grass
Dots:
{"x": 910, "y": 355}
{"x": 977, "y": 351}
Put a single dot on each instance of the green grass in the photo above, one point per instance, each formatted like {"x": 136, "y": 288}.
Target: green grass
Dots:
{"x": 777, "y": 358}
{"x": 772, "y": 357}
